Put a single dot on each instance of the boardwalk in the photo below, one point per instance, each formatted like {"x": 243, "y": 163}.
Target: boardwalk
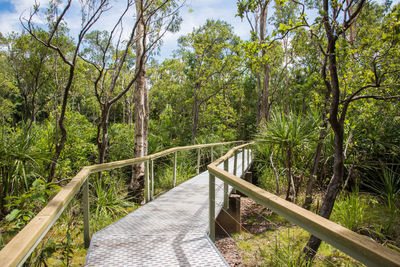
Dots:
{"x": 169, "y": 231}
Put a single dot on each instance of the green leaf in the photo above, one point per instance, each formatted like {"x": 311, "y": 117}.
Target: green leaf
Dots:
{"x": 12, "y": 215}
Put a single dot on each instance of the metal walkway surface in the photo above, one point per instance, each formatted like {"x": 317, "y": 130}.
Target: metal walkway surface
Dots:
{"x": 168, "y": 231}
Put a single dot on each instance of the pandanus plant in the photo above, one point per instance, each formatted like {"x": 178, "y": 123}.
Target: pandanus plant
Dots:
{"x": 289, "y": 134}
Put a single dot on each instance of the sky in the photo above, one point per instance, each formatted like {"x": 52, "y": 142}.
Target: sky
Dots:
{"x": 194, "y": 14}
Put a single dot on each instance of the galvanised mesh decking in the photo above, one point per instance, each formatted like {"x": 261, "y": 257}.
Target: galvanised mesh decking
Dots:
{"x": 168, "y": 231}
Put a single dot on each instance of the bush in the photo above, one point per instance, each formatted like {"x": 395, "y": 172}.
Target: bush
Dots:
{"x": 350, "y": 210}
{"x": 121, "y": 141}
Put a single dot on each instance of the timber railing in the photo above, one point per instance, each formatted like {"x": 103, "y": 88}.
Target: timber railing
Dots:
{"x": 357, "y": 246}
{"x": 21, "y": 246}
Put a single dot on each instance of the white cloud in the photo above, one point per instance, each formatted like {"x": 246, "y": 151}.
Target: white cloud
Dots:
{"x": 202, "y": 10}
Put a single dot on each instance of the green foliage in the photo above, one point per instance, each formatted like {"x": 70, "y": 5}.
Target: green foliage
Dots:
{"x": 288, "y": 131}
{"x": 387, "y": 188}
{"x": 109, "y": 201}
{"x": 351, "y": 210}
{"x": 283, "y": 247}
{"x": 212, "y": 56}
{"x": 121, "y": 141}
{"x": 80, "y": 149}
{"x": 20, "y": 162}
{"x": 185, "y": 169}
{"x": 286, "y": 250}
{"x": 25, "y": 206}
{"x": 290, "y": 137}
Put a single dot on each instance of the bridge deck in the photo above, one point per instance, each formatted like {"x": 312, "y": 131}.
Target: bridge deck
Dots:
{"x": 168, "y": 231}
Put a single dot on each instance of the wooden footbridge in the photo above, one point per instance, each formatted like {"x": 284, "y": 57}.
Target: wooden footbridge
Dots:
{"x": 178, "y": 228}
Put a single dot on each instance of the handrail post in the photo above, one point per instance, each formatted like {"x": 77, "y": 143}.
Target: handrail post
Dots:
{"x": 235, "y": 164}
{"x": 211, "y": 209}
{"x": 152, "y": 179}
{"x": 222, "y": 150}
{"x": 198, "y": 160}
{"x": 248, "y": 159}
{"x": 174, "y": 177}
{"x": 243, "y": 162}
{"x": 86, "y": 224}
{"x": 146, "y": 182}
{"x": 234, "y": 169}
{"x": 226, "y": 194}
{"x": 212, "y": 154}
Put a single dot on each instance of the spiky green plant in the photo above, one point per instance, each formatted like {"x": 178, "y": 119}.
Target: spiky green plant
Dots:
{"x": 288, "y": 134}
{"x": 350, "y": 211}
{"x": 387, "y": 188}
{"x": 19, "y": 161}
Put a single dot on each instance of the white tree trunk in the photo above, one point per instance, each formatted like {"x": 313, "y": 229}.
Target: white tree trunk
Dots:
{"x": 141, "y": 115}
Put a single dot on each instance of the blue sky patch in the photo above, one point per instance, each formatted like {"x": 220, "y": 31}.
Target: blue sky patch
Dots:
{"x": 6, "y": 6}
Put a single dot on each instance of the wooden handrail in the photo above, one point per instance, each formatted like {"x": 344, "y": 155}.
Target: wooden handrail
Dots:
{"x": 359, "y": 247}
{"x": 21, "y": 246}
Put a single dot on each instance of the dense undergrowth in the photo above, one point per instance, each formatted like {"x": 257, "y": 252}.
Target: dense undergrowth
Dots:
{"x": 294, "y": 95}
{"x": 63, "y": 245}
{"x": 277, "y": 242}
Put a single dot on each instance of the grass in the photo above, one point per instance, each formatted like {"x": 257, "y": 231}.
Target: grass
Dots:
{"x": 163, "y": 171}
{"x": 351, "y": 210}
{"x": 282, "y": 247}
{"x": 63, "y": 245}
{"x": 280, "y": 244}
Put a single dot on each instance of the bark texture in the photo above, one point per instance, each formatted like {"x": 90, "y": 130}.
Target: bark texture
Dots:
{"x": 141, "y": 108}
{"x": 336, "y": 120}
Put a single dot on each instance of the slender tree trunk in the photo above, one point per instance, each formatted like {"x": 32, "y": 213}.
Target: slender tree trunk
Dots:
{"x": 141, "y": 110}
{"x": 259, "y": 99}
{"x": 195, "y": 113}
{"x": 102, "y": 133}
{"x": 26, "y": 109}
{"x": 266, "y": 70}
{"x": 289, "y": 174}
{"x": 330, "y": 196}
{"x": 60, "y": 143}
{"x": 314, "y": 168}
{"x": 275, "y": 172}
{"x": 336, "y": 121}
{"x": 265, "y": 94}
{"x": 311, "y": 180}
{"x": 286, "y": 90}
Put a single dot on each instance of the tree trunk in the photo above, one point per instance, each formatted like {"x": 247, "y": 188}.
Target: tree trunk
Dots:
{"x": 259, "y": 99}
{"x": 330, "y": 196}
{"x": 195, "y": 112}
{"x": 266, "y": 71}
{"x": 336, "y": 121}
{"x": 265, "y": 95}
{"x": 275, "y": 172}
{"x": 311, "y": 181}
{"x": 314, "y": 168}
{"x": 289, "y": 174}
{"x": 102, "y": 130}
{"x": 60, "y": 143}
{"x": 141, "y": 110}
{"x": 322, "y": 134}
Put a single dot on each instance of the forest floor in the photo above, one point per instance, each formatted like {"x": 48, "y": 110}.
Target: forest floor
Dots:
{"x": 269, "y": 240}
{"x": 227, "y": 245}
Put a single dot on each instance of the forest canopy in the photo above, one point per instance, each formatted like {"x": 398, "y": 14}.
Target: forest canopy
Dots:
{"x": 319, "y": 96}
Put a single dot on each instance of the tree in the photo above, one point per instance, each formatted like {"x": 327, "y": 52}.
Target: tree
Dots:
{"x": 30, "y": 63}
{"x": 259, "y": 41}
{"x": 154, "y": 19}
{"x": 211, "y": 55}
{"x": 334, "y": 36}
{"x": 91, "y": 12}
{"x": 290, "y": 135}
